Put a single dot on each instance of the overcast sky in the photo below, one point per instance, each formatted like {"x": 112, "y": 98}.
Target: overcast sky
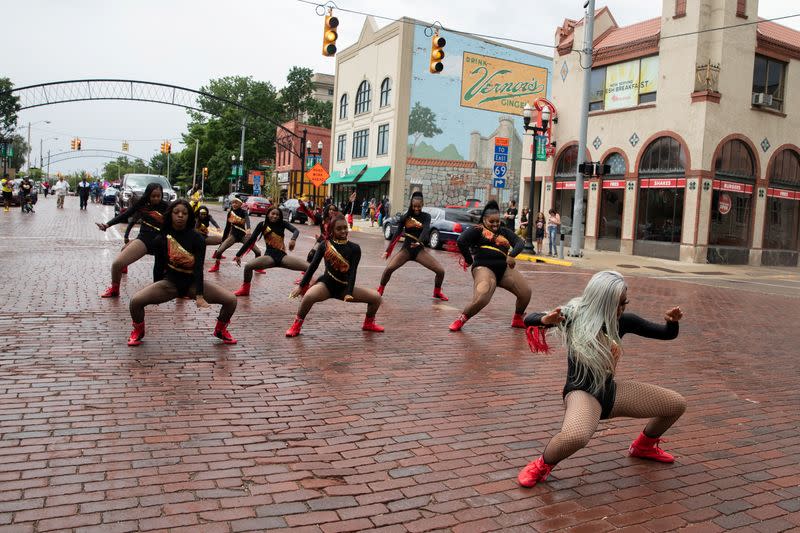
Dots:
{"x": 188, "y": 42}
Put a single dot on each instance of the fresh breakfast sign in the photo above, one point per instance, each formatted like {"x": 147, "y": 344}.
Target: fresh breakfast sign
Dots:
{"x": 499, "y": 85}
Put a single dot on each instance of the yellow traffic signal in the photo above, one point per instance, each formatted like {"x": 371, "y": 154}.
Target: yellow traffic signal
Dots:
{"x": 73, "y": 144}
{"x": 169, "y": 147}
{"x": 330, "y": 34}
{"x": 437, "y": 53}
{"x": 79, "y": 144}
{"x": 205, "y": 172}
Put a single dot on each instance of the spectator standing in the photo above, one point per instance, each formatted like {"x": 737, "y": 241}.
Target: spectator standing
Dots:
{"x": 510, "y": 218}
{"x": 84, "y": 189}
{"x": 8, "y": 191}
{"x": 553, "y": 224}
{"x": 60, "y": 189}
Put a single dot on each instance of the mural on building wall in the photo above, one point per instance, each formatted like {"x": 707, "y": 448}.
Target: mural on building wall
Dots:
{"x": 456, "y": 115}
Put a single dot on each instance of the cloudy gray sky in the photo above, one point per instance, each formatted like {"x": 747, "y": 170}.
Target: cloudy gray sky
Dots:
{"x": 186, "y": 43}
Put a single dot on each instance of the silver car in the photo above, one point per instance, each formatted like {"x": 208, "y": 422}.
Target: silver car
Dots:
{"x": 133, "y": 186}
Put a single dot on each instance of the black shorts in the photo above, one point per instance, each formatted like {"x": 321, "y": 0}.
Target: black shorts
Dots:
{"x": 276, "y": 255}
{"x": 7, "y": 195}
{"x": 540, "y": 234}
{"x": 148, "y": 239}
{"x": 413, "y": 251}
{"x": 336, "y": 288}
{"x": 184, "y": 283}
{"x": 606, "y": 397}
{"x": 497, "y": 267}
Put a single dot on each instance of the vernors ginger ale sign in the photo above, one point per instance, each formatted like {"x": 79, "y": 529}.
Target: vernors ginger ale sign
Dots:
{"x": 499, "y": 85}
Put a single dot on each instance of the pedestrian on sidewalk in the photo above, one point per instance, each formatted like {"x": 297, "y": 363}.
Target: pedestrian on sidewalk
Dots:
{"x": 178, "y": 273}
{"x": 553, "y": 225}
{"x": 149, "y": 210}
{"x": 372, "y": 208}
{"x": 364, "y": 209}
{"x": 350, "y": 209}
{"x": 84, "y": 190}
{"x": 415, "y": 226}
{"x": 538, "y": 226}
{"x": 46, "y": 188}
{"x": 522, "y": 230}
{"x": 25, "y": 190}
{"x": 8, "y": 191}
{"x": 592, "y": 327}
{"x": 341, "y": 258}
{"x": 490, "y": 248}
{"x": 510, "y": 218}
{"x": 272, "y": 228}
{"x": 60, "y": 189}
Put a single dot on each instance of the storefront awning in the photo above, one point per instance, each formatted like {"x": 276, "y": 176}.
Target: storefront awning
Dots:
{"x": 350, "y": 177}
{"x": 374, "y": 174}
{"x": 335, "y": 176}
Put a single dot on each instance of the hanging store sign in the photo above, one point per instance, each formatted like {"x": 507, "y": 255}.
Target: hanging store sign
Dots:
{"x": 624, "y": 82}
{"x": 733, "y": 186}
{"x": 666, "y": 183}
{"x": 783, "y": 194}
{"x": 570, "y": 185}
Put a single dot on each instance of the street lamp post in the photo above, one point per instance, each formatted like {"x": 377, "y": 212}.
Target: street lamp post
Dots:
{"x": 29, "y": 142}
{"x": 41, "y": 152}
{"x": 234, "y": 172}
{"x": 527, "y": 114}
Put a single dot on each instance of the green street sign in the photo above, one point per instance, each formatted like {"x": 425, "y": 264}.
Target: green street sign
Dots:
{"x": 541, "y": 148}
{"x": 231, "y": 178}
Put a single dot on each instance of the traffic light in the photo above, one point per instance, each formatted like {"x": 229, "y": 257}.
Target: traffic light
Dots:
{"x": 73, "y": 144}
{"x": 169, "y": 147}
{"x": 124, "y": 146}
{"x": 437, "y": 53}
{"x": 205, "y": 172}
{"x": 330, "y": 34}
{"x": 79, "y": 143}
{"x": 164, "y": 147}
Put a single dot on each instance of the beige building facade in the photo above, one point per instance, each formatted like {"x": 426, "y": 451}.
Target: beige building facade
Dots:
{"x": 699, "y": 128}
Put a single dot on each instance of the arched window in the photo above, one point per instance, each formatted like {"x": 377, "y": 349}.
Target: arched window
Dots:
{"x": 664, "y": 155}
{"x": 363, "y": 97}
{"x": 617, "y": 164}
{"x": 567, "y": 164}
{"x": 786, "y": 170}
{"x": 386, "y": 91}
{"x": 343, "y": 106}
{"x": 735, "y": 161}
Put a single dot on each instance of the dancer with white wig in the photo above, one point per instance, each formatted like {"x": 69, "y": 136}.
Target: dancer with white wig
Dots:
{"x": 592, "y": 326}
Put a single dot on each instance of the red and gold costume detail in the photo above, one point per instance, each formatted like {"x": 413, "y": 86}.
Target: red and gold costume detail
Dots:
{"x": 151, "y": 218}
{"x": 237, "y": 224}
{"x": 179, "y": 257}
{"x": 341, "y": 262}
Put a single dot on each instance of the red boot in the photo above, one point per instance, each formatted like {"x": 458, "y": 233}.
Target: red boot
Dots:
{"x": 294, "y": 331}
{"x": 215, "y": 268}
{"x": 518, "y": 321}
{"x": 647, "y": 448}
{"x": 534, "y": 472}
{"x": 244, "y": 290}
{"x": 111, "y": 292}
{"x": 260, "y": 271}
{"x": 459, "y": 322}
{"x": 221, "y": 332}
{"x": 370, "y": 325}
{"x": 437, "y": 293}
{"x": 380, "y": 289}
{"x": 137, "y": 334}
{"x": 124, "y": 270}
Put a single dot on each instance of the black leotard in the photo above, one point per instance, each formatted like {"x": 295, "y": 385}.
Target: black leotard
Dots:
{"x": 341, "y": 263}
{"x": 237, "y": 224}
{"x": 179, "y": 258}
{"x": 481, "y": 247}
{"x": 415, "y": 229}
{"x": 628, "y": 323}
{"x": 151, "y": 218}
{"x": 273, "y": 233}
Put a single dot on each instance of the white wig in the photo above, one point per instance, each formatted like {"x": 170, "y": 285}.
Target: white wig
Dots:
{"x": 591, "y": 325}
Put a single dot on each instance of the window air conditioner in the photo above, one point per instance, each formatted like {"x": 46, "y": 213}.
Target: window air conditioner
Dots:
{"x": 762, "y": 99}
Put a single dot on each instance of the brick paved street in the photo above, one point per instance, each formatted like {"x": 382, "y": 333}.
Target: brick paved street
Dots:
{"x": 415, "y": 429}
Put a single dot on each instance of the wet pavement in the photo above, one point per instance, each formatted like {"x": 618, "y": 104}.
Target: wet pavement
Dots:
{"x": 415, "y": 429}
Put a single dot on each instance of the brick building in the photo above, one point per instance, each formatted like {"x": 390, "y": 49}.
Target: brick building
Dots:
{"x": 288, "y": 168}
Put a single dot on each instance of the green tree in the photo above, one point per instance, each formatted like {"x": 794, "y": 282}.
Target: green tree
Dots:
{"x": 296, "y": 96}
{"x": 421, "y": 123}
{"x": 9, "y": 106}
{"x": 20, "y": 151}
{"x": 114, "y": 170}
{"x": 320, "y": 113}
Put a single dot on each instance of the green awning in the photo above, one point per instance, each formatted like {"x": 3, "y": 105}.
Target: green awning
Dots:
{"x": 374, "y": 174}
{"x": 334, "y": 177}
{"x": 350, "y": 177}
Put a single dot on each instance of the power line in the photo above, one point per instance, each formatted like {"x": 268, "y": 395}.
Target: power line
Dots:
{"x": 105, "y": 138}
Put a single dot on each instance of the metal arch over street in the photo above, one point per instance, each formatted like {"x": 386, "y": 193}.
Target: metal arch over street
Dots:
{"x": 60, "y": 156}
{"x": 59, "y": 92}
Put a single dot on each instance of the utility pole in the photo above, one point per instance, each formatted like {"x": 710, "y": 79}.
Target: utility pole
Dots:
{"x": 586, "y": 63}
{"x": 48, "y": 165}
{"x": 167, "y": 166}
{"x": 194, "y": 172}
{"x": 241, "y": 161}
{"x": 29, "y": 149}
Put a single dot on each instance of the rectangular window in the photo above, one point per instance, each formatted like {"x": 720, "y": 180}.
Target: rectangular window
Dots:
{"x": 341, "y": 147}
{"x": 782, "y": 224}
{"x": 741, "y": 7}
{"x": 360, "y": 144}
{"x": 383, "y": 139}
{"x": 730, "y": 227}
{"x": 660, "y": 214}
{"x": 680, "y": 8}
{"x": 624, "y": 85}
{"x": 768, "y": 81}
{"x": 612, "y": 202}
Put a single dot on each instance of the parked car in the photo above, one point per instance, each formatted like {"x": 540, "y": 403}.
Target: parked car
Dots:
{"x": 256, "y": 205}
{"x": 110, "y": 196}
{"x": 226, "y": 202}
{"x": 15, "y": 195}
{"x": 446, "y": 224}
{"x": 291, "y": 211}
{"x": 133, "y": 186}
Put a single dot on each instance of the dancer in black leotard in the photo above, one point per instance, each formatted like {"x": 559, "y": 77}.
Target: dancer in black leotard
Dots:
{"x": 203, "y": 223}
{"x": 593, "y": 326}
{"x": 236, "y": 226}
{"x": 272, "y": 229}
{"x": 341, "y": 262}
{"x": 149, "y": 210}
{"x": 491, "y": 249}
{"x": 415, "y": 226}
{"x": 178, "y": 272}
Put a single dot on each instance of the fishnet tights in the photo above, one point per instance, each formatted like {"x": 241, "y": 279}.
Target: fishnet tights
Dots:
{"x": 633, "y": 399}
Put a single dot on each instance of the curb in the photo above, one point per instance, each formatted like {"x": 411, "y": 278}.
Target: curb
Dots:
{"x": 548, "y": 260}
